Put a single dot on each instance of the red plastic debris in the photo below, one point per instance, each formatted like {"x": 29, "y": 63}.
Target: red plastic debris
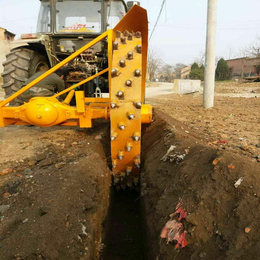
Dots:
{"x": 182, "y": 241}
{"x": 173, "y": 228}
{"x": 182, "y": 212}
{"x": 222, "y": 142}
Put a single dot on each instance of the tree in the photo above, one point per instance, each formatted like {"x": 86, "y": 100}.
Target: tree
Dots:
{"x": 194, "y": 66}
{"x": 222, "y": 71}
{"x": 167, "y": 71}
{"x": 154, "y": 62}
{"x": 252, "y": 50}
{"x": 201, "y": 58}
{"x": 197, "y": 72}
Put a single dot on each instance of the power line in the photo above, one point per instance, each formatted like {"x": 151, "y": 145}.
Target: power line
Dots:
{"x": 157, "y": 19}
{"x": 10, "y": 21}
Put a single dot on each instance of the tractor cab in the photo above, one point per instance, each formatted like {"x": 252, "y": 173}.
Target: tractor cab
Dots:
{"x": 88, "y": 17}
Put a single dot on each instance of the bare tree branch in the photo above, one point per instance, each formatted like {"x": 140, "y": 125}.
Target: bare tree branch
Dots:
{"x": 154, "y": 62}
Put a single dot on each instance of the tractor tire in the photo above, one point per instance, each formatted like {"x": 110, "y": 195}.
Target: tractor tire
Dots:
{"x": 19, "y": 66}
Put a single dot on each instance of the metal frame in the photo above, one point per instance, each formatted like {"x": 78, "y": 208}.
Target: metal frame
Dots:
{"x": 127, "y": 53}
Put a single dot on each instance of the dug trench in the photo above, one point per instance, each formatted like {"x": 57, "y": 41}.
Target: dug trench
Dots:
{"x": 56, "y": 201}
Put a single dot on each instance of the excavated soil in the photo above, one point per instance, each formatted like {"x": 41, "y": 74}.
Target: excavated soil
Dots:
{"x": 55, "y": 199}
{"x": 222, "y": 221}
{"x": 56, "y": 202}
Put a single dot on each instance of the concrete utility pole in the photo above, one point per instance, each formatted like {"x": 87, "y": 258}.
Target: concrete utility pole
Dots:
{"x": 210, "y": 64}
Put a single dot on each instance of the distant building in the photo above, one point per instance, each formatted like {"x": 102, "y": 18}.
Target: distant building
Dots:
{"x": 5, "y": 38}
{"x": 244, "y": 67}
{"x": 183, "y": 73}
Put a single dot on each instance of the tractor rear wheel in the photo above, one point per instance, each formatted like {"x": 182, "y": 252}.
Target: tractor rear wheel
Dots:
{"x": 20, "y": 65}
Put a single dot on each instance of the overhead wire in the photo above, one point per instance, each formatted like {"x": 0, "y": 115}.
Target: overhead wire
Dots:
{"x": 163, "y": 2}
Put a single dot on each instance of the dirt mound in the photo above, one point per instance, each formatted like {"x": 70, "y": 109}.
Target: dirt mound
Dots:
{"x": 222, "y": 221}
{"x": 52, "y": 204}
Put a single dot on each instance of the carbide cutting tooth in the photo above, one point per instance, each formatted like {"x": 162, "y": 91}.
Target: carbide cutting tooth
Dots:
{"x": 139, "y": 48}
{"x": 128, "y": 146}
{"x": 118, "y": 34}
{"x": 128, "y": 170}
{"x": 123, "y": 39}
{"x": 113, "y": 104}
{"x": 120, "y": 93}
{"x": 137, "y": 73}
{"x": 137, "y": 162}
{"x": 130, "y": 55}
{"x": 130, "y": 37}
{"x": 128, "y": 83}
{"x": 130, "y": 115}
{"x": 113, "y": 136}
{"x": 123, "y": 187}
{"x": 138, "y": 35}
{"x": 126, "y": 33}
{"x": 114, "y": 163}
{"x": 136, "y": 136}
{"x": 114, "y": 72}
{"x": 121, "y": 126}
{"x": 116, "y": 180}
{"x": 138, "y": 104}
{"x": 122, "y": 63}
{"x": 115, "y": 46}
{"x": 122, "y": 175}
{"x": 121, "y": 155}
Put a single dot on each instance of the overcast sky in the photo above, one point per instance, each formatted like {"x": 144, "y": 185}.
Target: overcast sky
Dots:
{"x": 181, "y": 31}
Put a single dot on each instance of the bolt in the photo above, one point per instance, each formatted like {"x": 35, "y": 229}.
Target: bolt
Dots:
{"x": 126, "y": 33}
{"x": 137, "y": 73}
{"x": 39, "y": 116}
{"x": 114, "y": 72}
{"x": 123, "y": 40}
{"x": 138, "y": 35}
{"x": 130, "y": 55}
{"x": 128, "y": 83}
{"x": 115, "y": 46}
{"x": 120, "y": 93}
{"x": 139, "y": 48}
{"x": 118, "y": 34}
{"x": 122, "y": 63}
{"x": 130, "y": 37}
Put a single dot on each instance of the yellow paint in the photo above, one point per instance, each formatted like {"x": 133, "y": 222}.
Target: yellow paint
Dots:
{"x": 126, "y": 143}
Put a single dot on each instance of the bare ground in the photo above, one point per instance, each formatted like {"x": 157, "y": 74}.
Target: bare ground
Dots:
{"x": 55, "y": 195}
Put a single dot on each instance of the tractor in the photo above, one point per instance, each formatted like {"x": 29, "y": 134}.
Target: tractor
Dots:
{"x": 103, "y": 46}
{"x": 64, "y": 26}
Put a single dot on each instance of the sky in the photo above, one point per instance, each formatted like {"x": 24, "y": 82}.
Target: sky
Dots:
{"x": 180, "y": 35}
